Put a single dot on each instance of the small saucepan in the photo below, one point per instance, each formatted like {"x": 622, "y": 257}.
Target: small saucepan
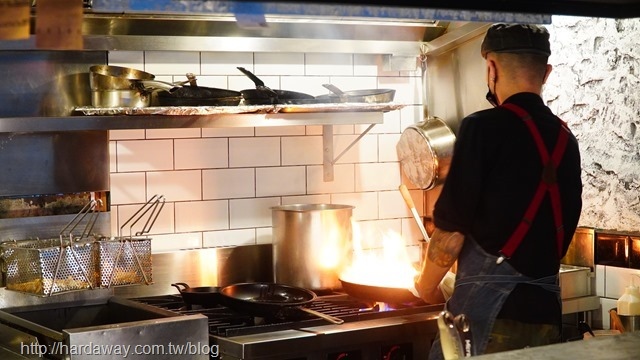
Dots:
{"x": 271, "y": 300}
{"x": 207, "y": 296}
{"x": 263, "y": 95}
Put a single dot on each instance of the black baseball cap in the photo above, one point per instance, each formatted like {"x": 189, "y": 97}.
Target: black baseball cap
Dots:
{"x": 516, "y": 38}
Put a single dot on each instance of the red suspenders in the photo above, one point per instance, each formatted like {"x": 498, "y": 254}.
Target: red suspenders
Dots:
{"x": 548, "y": 183}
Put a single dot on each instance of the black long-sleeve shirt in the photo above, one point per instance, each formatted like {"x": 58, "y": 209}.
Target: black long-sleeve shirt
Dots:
{"x": 494, "y": 173}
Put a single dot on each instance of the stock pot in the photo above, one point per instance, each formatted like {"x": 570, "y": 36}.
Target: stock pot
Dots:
{"x": 311, "y": 244}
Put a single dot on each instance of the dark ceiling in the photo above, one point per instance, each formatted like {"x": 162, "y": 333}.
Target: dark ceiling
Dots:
{"x": 590, "y": 8}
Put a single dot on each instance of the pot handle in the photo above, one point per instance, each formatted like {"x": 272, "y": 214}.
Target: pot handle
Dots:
{"x": 177, "y": 286}
{"x": 329, "y": 318}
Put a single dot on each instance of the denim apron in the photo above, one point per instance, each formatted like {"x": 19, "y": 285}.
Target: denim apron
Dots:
{"x": 481, "y": 288}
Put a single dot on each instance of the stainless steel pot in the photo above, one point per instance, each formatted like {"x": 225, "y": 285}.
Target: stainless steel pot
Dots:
{"x": 425, "y": 150}
{"x": 117, "y": 86}
{"x": 311, "y": 244}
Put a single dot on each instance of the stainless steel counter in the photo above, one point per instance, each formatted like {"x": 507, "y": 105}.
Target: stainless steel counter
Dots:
{"x": 625, "y": 346}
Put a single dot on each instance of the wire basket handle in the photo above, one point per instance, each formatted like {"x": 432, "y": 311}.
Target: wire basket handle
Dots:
{"x": 155, "y": 205}
{"x": 90, "y": 207}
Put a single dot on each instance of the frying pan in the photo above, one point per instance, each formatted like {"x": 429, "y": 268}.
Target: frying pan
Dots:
{"x": 207, "y": 296}
{"x": 194, "y": 95}
{"x": 263, "y": 95}
{"x": 357, "y": 96}
{"x": 271, "y": 300}
{"x": 388, "y": 295}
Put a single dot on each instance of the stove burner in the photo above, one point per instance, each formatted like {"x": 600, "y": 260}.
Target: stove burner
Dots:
{"x": 226, "y": 322}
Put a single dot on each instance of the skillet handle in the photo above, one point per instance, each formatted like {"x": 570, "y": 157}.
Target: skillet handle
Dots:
{"x": 329, "y": 318}
{"x": 177, "y": 286}
{"x": 256, "y": 80}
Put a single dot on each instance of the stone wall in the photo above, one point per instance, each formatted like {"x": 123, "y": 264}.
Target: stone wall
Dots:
{"x": 595, "y": 88}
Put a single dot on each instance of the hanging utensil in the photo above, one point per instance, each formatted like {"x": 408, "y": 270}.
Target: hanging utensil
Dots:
{"x": 449, "y": 336}
{"x": 409, "y": 201}
{"x": 464, "y": 328}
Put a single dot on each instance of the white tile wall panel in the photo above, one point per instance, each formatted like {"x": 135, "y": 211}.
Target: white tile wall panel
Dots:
{"x": 390, "y": 125}
{"x": 229, "y": 238}
{"x": 601, "y": 274}
{"x": 368, "y": 176}
{"x": 412, "y": 114}
{"x": 203, "y": 153}
{"x": 225, "y": 63}
{"x": 366, "y": 204}
{"x": 344, "y": 180}
{"x": 114, "y": 221}
{"x": 218, "y": 82}
{"x": 228, "y": 132}
{"x": 202, "y": 215}
{"x": 307, "y": 199}
{"x": 393, "y": 206}
{"x": 337, "y": 129}
{"x": 176, "y": 185}
{"x": 128, "y": 188}
{"x": 355, "y": 83}
{"x": 301, "y": 150}
{"x": 617, "y": 279}
{"x": 329, "y": 64}
{"x": 408, "y": 89}
{"x": 130, "y": 59}
{"x": 173, "y": 133}
{"x": 228, "y": 183}
{"x": 241, "y": 82}
{"x": 112, "y": 157}
{"x": 146, "y": 155}
{"x": 172, "y": 62}
{"x": 311, "y": 85}
{"x": 174, "y": 242}
{"x": 135, "y": 134}
{"x": 387, "y": 147}
{"x": 264, "y": 235}
{"x": 251, "y": 213}
{"x": 366, "y": 64}
{"x": 280, "y": 130}
{"x": 372, "y": 232}
{"x": 275, "y": 181}
{"x": 364, "y": 150}
{"x": 248, "y": 152}
{"x": 278, "y": 64}
{"x": 164, "y": 223}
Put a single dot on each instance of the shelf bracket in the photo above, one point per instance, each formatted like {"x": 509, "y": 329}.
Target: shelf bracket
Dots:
{"x": 327, "y": 150}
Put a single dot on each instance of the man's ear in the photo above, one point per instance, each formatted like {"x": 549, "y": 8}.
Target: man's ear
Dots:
{"x": 546, "y": 74}
{"x": 491, "y": 71}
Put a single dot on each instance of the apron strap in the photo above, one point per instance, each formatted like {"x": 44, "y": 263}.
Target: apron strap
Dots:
{"x": 548, "y": 184}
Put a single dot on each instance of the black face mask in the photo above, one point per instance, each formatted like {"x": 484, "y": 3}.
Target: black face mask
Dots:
{"x": 491, "y": 98}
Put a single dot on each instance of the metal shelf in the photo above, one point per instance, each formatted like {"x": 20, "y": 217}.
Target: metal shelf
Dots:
{"x": 119, "y": 122}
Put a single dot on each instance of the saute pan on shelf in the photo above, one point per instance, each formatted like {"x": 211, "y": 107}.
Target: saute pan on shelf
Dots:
{"x": 195, "y": 95}
{"x": 372, "y": 96}
{"x": 271, "y": 300}
{"x": 263, "y": 95}
{"x": 118, "y": 86}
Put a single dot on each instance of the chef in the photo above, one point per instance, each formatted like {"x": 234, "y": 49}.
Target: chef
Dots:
{"x": 510, "y": 203}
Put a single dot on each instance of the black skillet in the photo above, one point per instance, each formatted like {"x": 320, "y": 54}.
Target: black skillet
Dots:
{"x": 379, "y": 293}
{"x": 194, "y": 95}
{"x": 271, "y": 300}
{"x": 263, "y": 95}
{"x": 207, "y": 296}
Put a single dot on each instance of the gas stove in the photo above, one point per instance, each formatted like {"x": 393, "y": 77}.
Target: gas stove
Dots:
{"x": 370, "y": 330}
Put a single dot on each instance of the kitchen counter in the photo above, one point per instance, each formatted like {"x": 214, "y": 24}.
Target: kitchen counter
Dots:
{"x": 624, "y": 346}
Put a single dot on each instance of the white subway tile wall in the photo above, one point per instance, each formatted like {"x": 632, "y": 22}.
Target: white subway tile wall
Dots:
{"x": 220, "y": 183}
